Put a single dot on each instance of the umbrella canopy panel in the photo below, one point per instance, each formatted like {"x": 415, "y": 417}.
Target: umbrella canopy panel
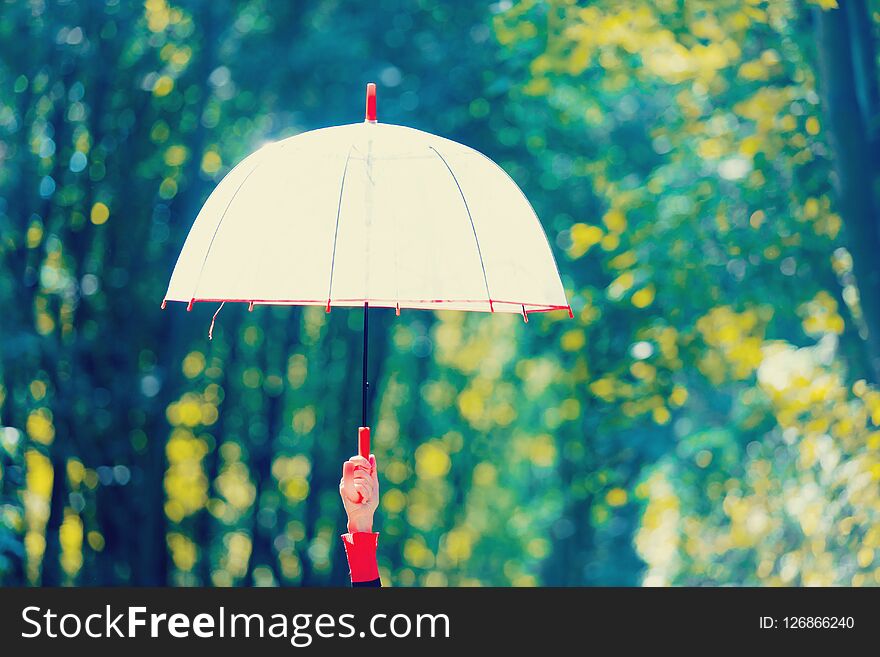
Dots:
{"x": 369, "y": 213}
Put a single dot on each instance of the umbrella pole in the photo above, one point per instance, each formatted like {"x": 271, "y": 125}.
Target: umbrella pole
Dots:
{"x": 366, "y": 384}
{"x": 364, "y": 430}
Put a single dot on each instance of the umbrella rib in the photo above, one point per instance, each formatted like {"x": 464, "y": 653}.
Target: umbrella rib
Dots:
{"x": 536, "y": 218}
{"x": 219, "y": 223}
{"x": 471, "y": 219}
{"x": 336, "y": 231}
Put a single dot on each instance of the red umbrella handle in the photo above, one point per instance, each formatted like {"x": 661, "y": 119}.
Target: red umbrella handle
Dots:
{"x": 363, "y": 449}
{"x": 364, "y": 442}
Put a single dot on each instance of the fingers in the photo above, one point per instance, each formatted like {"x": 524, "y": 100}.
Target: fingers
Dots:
{"x": 356, "y": 467}
{"x": 360, "y": 462}
{"x": 361, "y": 468}
{"x": 365, "y": 492}
{"x": 360, "y": 480}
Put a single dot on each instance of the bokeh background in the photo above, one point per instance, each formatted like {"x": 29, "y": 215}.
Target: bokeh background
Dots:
{"x": 706, "y": 172}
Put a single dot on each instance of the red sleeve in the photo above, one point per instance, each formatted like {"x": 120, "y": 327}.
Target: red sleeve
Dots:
{"x": 360, "y": 548}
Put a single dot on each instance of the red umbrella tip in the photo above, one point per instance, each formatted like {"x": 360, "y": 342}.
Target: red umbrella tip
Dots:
{"x": 371, "y": 102}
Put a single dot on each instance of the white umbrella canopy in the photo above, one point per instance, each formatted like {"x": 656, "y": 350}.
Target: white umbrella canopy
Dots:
{"x": 369, "y": 213}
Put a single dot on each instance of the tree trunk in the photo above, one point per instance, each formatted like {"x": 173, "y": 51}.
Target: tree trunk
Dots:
{"x": 849, "y": 110}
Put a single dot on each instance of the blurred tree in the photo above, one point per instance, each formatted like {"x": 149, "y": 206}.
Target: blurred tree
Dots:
{"x": 716, "y": 232}
{"x": 851, "y": 98}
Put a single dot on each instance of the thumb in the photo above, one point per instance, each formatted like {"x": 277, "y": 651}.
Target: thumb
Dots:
{"x": 372, "y": 463}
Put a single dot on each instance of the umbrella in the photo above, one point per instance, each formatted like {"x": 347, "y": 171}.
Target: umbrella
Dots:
{"x": 369, "y": 215}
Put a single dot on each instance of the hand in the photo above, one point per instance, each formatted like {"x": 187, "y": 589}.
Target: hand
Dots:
{"x": 359, "y": 490}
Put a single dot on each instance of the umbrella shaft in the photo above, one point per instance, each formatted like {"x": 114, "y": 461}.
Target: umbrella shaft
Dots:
{"x": 366, "y": 384}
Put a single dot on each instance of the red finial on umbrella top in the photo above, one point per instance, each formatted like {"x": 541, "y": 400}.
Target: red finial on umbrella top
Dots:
{"x": 371, "y": 103}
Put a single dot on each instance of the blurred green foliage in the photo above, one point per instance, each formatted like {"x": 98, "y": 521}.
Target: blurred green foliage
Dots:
{"x": 705, "y": 171}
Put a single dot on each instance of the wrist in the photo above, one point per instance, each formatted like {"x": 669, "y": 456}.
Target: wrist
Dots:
{"x": 356, "y": 525}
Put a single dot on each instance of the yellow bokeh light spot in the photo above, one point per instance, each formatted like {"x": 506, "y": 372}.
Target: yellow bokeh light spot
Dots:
{"x": 624, "y": 260}
{"x": 396, "y": 472}
{"x": 458, "y": 544}
{"x": 34, "y": 235}
{"x": 621, "y": 284}
{"x": 70, "y": 536}
{"x": 39, "y": 426}
{"x": 615, "y": 220}
{"x": 603, "y": 388}
{"x": 193, "y": 364}
{"x": 297, "y": 489}
{"x": 394, "y": 501}
{"x": 168, "y": 188}
{"x": 485, "y": 474}
{"x": 163, "y": 86}
{"x": 96, "y": 541}
{"x": 100, "y": 213}
{"x": 754, "y": 70}
{"x": 211, "y": 162}
{"x": 616, "y": 497}
{"x": 38, "y": 389}
{"x": 610, "y": 242}
{"x": 661, "y": 414}
{"x": 865, "y": 557}
{"x": 583, "y": 237}
{"x": 432, "y": 461}
{"x": 703, "y": 458}
{"x": 39, "y": 473}
{"x": 542, "y": 451}
{"x": 76, "y": 471}
{"x": 679, "y": 396}
{"x": 176, "y": 155}
{"x": 644, "y": 297}
{"x": 573, "y": 340}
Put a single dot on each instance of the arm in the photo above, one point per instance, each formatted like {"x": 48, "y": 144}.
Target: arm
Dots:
{"x": 359, "y": 489}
